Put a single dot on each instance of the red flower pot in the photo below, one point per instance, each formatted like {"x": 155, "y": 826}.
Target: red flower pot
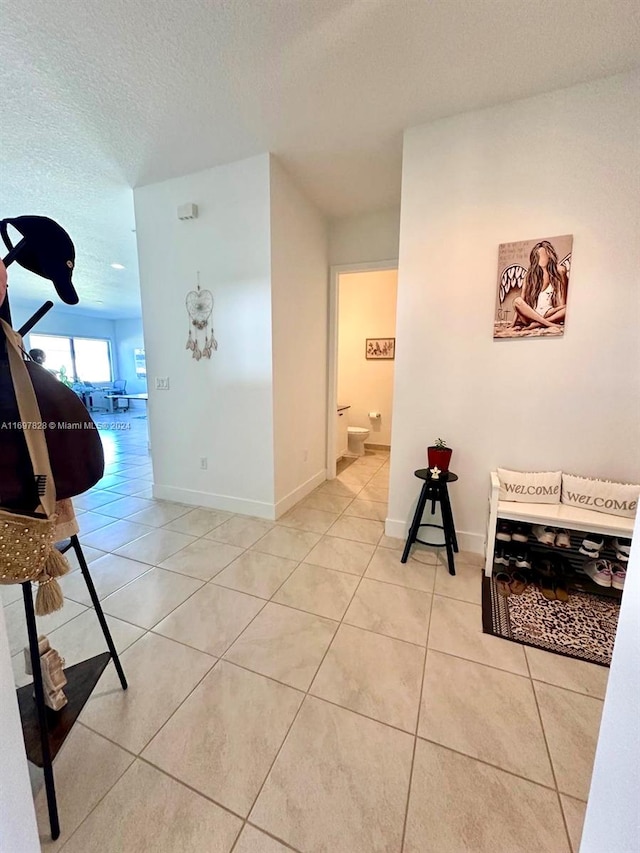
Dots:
{"x": 439, "y": 457}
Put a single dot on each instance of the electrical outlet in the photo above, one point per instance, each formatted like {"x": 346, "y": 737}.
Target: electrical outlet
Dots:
{"x": 203, "y": 463}
{"x": 162, "y": 383}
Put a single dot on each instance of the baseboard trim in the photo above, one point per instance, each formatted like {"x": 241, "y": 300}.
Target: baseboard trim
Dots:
{"x": 473, "y": 542}
{"x": 377, "y": 446}
{"x": 395, "y": 528}
{"x": 258, "y": 509}
{"x": 285, "y": 503}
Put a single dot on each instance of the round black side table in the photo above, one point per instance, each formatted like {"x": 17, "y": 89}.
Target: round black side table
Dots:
{"x": 436, "y": 491}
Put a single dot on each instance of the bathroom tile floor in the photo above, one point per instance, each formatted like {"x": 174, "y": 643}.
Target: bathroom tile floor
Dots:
{"x": 293, "y": 686}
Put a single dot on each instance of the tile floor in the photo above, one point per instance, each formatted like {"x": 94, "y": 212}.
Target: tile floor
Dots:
{"x": 294, "y": 687}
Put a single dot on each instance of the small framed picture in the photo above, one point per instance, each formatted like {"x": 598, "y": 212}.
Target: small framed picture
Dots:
{"x": 381, "y": 348}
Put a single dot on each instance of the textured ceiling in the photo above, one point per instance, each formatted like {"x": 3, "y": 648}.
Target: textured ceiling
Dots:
{"x": 100, "y": 97}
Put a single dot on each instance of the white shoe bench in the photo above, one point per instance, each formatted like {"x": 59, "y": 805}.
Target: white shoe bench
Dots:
{"x": 577, "y": 521}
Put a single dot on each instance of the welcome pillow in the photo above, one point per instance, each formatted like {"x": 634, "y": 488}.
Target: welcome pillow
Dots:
{"x": 600, "y": 495}
{"x": 533, "y": 487}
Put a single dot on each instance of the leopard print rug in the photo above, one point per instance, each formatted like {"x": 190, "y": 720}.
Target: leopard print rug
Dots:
{"x": 584, "y": 627}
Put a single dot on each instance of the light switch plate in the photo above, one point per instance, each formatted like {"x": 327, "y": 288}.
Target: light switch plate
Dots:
{"x": 162, "y": 383}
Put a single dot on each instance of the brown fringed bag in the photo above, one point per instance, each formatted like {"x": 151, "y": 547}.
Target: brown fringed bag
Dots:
{"x": 27, "y": 548}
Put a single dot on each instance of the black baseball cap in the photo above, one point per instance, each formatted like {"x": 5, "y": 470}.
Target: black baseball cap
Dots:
{"x": 48, "y": 252}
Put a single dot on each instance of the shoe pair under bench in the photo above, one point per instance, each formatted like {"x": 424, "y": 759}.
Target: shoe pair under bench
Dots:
{"x": 554, "y": 536}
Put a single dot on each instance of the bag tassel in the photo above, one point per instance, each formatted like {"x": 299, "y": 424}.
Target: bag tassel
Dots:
{"x": 56, "y": 565}
{"x": 49, "y": 597}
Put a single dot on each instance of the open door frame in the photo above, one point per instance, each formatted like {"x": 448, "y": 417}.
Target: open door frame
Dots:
{"x": 332, "y": 382}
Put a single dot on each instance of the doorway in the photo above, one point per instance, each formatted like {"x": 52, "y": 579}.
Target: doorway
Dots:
{"x": 362, "y": 306}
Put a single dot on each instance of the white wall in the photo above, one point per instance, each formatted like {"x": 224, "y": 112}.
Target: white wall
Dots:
{"x": 366, "y": 237}
{"x": 299, "y": 292}
{"x": 220, "y": 409}
{"x": 366, "y": 309}
{"x": 129, "y": 337}
{"x": 563, "y": 163}
{"x": 18, "y": 830}
{"x": 613, "y": 823}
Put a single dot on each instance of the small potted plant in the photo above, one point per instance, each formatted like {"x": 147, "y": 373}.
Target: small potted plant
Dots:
{"x": 439, "y": 455}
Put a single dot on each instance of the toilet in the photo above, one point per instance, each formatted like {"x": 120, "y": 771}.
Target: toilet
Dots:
{"x": 357, "y": 438}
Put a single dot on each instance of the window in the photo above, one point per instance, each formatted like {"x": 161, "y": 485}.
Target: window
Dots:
{"x": 57, "y": 352}
{"x": 83, "y": 359}
{"x": 141, "y": 363}
{"x": 93, "y": 362}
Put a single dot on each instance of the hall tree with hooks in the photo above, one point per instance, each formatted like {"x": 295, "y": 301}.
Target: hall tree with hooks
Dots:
{"x": 34, "y": 473}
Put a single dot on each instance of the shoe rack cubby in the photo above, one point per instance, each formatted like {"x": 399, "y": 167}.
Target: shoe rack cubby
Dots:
{"x": 578, "y": 522}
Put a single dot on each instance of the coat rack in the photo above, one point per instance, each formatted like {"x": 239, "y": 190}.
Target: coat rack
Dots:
{"x": 44, "y": 730}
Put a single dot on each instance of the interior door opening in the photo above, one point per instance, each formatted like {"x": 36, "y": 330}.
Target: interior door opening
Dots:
{"x": 362, "y": 345}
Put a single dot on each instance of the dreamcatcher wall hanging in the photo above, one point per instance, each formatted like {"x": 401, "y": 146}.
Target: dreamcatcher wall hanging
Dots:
{"x": 199, "y": 304}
